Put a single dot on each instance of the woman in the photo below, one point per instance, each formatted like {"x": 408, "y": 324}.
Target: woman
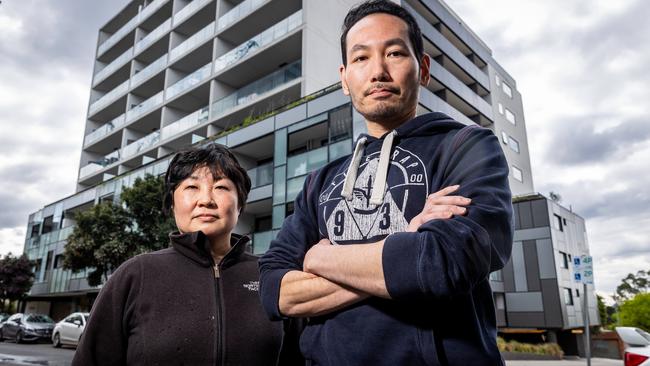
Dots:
{"x": 195, "y": 303}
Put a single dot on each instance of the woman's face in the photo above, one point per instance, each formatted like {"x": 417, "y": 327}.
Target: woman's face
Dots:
{"x": 202, "y": 203}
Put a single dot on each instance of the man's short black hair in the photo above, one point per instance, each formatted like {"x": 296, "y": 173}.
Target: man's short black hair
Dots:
{"x": 386, "y": 7}
{"x": 218, "y": 159}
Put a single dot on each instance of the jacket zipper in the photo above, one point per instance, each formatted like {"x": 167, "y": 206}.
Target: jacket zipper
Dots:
{"x": 219, "y": 332}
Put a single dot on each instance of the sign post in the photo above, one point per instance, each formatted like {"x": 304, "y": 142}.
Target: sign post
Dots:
{"x": 583, "y": 272}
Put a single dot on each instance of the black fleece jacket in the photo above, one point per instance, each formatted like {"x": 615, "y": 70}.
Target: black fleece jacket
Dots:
{"x": 174, "y": 307}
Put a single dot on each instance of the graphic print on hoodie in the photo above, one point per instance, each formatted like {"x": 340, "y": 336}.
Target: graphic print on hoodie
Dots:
{"x": 356, "y": 219}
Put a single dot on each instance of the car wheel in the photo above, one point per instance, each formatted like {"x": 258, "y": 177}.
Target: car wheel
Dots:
{"x": 56, "y": 342}
{"x": 19, "y": 337}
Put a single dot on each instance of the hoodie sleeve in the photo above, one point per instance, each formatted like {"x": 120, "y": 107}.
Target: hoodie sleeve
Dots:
{"x": 448, "y": 257}
{"x": 287, "y": 252}
{"x": 105, "y": 337}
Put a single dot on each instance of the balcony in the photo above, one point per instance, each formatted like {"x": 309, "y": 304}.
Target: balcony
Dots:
{"x": 188, "y": 10}
{"x": 238, "y": 12}
{"x": 262, "y": 241}
{"x": 257, "y": 88}
{"x": 104, "y": 130}
{"x": 304, "y": 163}
{"x": 109, "y": 97}
{"x": 151, "y": 69}
{"x": 153, "y": 36}
{"x": 261, "y": 175}
{"x": 89, "y": 170}
{"x": 144, "y": 107}
{"x": 195, "y": 40}
{"x": 259, "y": 41}
{"x": 189, "y": 81}
{"x": 140, "y": 145}
{"x": 114, "y": 65}
{"x": 184, "y": 124}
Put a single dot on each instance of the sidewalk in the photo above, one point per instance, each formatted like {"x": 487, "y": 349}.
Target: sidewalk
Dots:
{"x": 582, "y": 361}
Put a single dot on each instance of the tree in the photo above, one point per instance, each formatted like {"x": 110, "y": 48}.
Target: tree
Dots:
{"x": 633, "y": 284}
{"x": 634, "y": 312}
{"x": 16, "y": 277}
{"x": 605, "y": 312}
{"x": 108, "y": 234}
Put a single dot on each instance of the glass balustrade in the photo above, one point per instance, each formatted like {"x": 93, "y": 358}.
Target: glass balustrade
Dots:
{"x": 306, "y": 162}
{"x": 238, "y": 12}
{"x": 109, "y": 97}
{"x": 110, "y": 41}
{"x": 198, "y": 38}
{"x": 185, "y": 123}
{"x": 89, "y": 169}
{"x": 188, "y": 10}
{"x": 249, "y": 47}
{"x": 140, "y": 145}
{"x": 261, "y": 175}
{"x": 339, "y": 149}
{"x": 262, "y": 241}
{"x": 153, "y": 36}
{"x": 151, "y": 69}
{"x": 144, "y": 107}
{"x": 114, "y": 65}
{"x": 105, "y": 129}
{"x": 253, "y": 90}
{"x": 189, "y": 81}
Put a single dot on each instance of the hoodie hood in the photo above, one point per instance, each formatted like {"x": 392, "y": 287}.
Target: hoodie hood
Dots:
{"x": 423, "y": 125}
{"x": 196, "y": 246}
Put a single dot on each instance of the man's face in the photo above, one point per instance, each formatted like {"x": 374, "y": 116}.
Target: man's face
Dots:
{"x": 382, "y": 74}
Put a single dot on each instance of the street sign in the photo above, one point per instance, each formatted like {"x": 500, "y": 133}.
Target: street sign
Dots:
{"x": 577, "y": 270}
{"x": 587, "y": 269}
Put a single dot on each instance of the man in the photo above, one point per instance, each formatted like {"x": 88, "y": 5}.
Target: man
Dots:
{"x": 398, "y": 288}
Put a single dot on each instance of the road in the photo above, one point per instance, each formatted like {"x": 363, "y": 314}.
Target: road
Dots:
{"x": 580, "y": 362}
{"x": 40, "y": 354}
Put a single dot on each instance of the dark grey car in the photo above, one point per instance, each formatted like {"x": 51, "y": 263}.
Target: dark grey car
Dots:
{"x": 27, "y": 327}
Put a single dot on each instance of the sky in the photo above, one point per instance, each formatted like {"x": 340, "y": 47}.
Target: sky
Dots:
{"x": 579, "y": 65}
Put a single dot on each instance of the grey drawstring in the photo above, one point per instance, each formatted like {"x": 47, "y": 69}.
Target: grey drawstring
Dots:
{"x": 351, "y": 174}
{"x": 377, "y": 197}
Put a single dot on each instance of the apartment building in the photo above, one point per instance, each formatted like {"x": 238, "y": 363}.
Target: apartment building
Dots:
{"x": 259, "y": 76}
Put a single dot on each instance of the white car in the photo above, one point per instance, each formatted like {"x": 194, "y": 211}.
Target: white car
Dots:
{"x": 637, "y": 346}
{"x": 69, "y": 330}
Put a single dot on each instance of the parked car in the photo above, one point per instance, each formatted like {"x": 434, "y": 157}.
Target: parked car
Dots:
{"x": 27, "y": 327}
{"x": 69, "y": 330}
{"x": 637, "y": 346}
{"x": 3, "y": 317}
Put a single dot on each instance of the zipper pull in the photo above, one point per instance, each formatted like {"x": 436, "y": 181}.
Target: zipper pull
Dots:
{"x": 216, "y": 271}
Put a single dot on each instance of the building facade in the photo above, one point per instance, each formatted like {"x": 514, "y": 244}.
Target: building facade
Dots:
{"x": 259, "y": 76}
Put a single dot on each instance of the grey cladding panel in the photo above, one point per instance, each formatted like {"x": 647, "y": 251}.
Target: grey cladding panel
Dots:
{"x": 327, "y": 102}
{"x": 508, "y": 277}
{"x": 251, "y": 132}
{"x": 551, "y": 298}
{"x": 515, "y": 215}
{"x": 525, "y": 215}
{"x": 526, "y": 320}
{"x": 531, "y": 234}
{"x": 532, "y": 267}
{"x": 291, "y": 116}
{"x": 540, "y": 213}
{"x": 546, "y": 259}
{"x": 524, "y": 302}
{"x": 519, "y": 266}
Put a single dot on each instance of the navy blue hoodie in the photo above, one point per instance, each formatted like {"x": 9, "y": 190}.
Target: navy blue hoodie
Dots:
{"x": 441, "y": 311}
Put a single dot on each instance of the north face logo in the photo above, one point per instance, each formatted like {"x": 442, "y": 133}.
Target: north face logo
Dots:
{"x": 252, "y": 286}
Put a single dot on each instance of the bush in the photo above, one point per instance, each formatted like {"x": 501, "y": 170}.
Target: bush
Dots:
{"x": 552, "y": 349}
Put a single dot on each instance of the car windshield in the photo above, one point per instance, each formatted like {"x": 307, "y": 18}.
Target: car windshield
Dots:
{"x": 644, "y": 334}
{"x": 39, "y": 319}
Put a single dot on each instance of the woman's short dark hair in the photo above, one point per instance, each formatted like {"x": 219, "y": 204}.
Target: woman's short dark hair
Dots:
{"x": 386, "y": 7}
{"x": 217, "y": 158}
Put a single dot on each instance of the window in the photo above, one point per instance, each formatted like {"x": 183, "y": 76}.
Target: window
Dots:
{"x": 497, "y": 79}
{"x": 517, "y": 174}
{"x": 500, "y": 108}
{"x": 513, "y": 144}
{"x": 577, "y": 293}
{"x": 510, "y": 116}
{"x": 506, "y": 89}
{"x": 504, "y": 137}
{"x": 557, "y": 223}
{"x": 499, "y": 301}
{"x": 565, "y": 260}
{"x": 568, "y": 296}
{"x": 496, "y": 276}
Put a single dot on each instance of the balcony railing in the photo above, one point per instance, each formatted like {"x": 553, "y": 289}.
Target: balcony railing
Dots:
{"x": 153, "y": 36}
{"x": 196, "y": 39}
{"x": 339, "y": 149}
{"x": 238, "y": 12}
{"x": 109, "y": 97}
{"x": 188, "y": 10}
{"x": 184, "y": 124}
{"x": 262, "y": 241}
{"x": 140, "y": 145}
{"x": 126, "y": 28}
{"x": 151, "y": 69}
{"x": 249, "y": 47}
{"x": 105, "y": 129}
{"x": 116, "y": 64}
{"x": 144, "y": 107}
{"x": 261, "y": 175}
{"x": 253, "y": 90}
{"x": 89, "y": 169}
{"x": 306, "y": 162}
{"x": 189, "y": 81}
